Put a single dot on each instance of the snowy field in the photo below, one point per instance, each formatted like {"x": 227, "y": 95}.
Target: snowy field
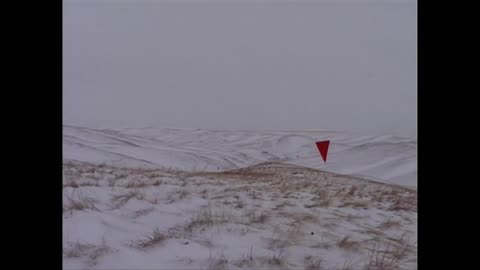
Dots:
{"x": 204, "y": 199}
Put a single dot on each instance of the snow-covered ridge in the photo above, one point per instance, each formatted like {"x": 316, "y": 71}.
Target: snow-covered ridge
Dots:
{"x": 389, "y": 159}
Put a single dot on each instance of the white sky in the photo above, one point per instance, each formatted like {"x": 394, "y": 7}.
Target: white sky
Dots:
{"x": 342, "y": 65}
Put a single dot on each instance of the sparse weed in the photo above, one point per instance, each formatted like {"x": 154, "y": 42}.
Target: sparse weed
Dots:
{"x": 80, "y": 203}
{"x": 312, "y": 263}
{"x": 150, "y": 240}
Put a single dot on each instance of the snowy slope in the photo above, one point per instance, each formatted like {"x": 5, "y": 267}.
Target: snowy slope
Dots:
{"x": 268, "y": 216}
{"x": 207, "y": 199}
{"x": 387, "y": 159}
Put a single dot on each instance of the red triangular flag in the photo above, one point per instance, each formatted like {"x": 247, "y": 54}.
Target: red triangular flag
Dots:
{"x": 323, "y": 149}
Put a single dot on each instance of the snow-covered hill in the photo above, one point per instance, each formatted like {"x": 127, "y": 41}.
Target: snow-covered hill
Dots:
{"x": 388, "y": 159}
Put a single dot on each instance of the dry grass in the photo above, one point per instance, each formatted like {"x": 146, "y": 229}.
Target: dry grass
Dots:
{"x": 80, "y": 203}
{"x": 92, "y": 252}
{"x": 142, "y": 212}
{"x": 281, "y": 239}
{"x": 307, "y": 217}
{"x": 326, "y": 202}
{"x": 340, "y": 193}
{"x": 178, "y": 232}
{"x": 389, "y": 223}
{"x": 154, "y": 175}
{"x": 71, "y": 184}
{"x": 183, "y": 182}
{"x": 402, "y": 205}
{"x": 153, "y": 239}
{"x": 321, "y": 245}
{"x": 347, "y": 243}
{"x": 244, "y": 174}
{"x": 402, "y": 247}
{"x": 100, "y": 251}
{"x": 256, "y": 217}
{"x": 206, "y": 217}
{"x": 111, "y": 182}
{"x": 352, "y": 217}
{"x": 276, "y": 243}
{"x": 252, "y": 194}
{"x": 170, "y": 198}
{"x": 136, "y": 184}
{"x": 77, "y": 249}
{"x": 239, "y": 204}
{"x": 388, "y": 258}
{"x": 89, "y": 184}
{"x": 321, "y": 193}
{"x": 312, "y": 263}
{"x": 352, "y": 191}
{"x": 245, "y": 260}
{"x": 249, "y": 260}
{"x": 283, "y": 204}
{"x": 204, "y": 193}
{"x": 217, "y": 263}
{"x": 182, "y": 193}
{"x": 299, "y": 218}
{"x": 379, "y": 260}
{"x": 356, "y": 204}
{"x": 120, "y": 176}
{"x": 218, "y": 197}
{"x": 276, "y": 259}
{"x": 375, "y": 232}
{"x": 347, "y": 264}
{"x": 295, "y": 233}
{"x": 121, "y": 199}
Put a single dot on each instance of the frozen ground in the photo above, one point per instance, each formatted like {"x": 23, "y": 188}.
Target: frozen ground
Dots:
{"x": 198, "y": 199}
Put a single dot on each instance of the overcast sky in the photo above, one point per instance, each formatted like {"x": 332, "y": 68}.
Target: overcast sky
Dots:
{"x": 339, "y": 65}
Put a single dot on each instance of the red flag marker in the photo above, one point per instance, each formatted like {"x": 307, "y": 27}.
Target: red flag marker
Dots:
{"x": 323, "y": 149}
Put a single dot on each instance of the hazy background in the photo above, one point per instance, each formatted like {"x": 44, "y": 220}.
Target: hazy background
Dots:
{"x": 341, "y": 65}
